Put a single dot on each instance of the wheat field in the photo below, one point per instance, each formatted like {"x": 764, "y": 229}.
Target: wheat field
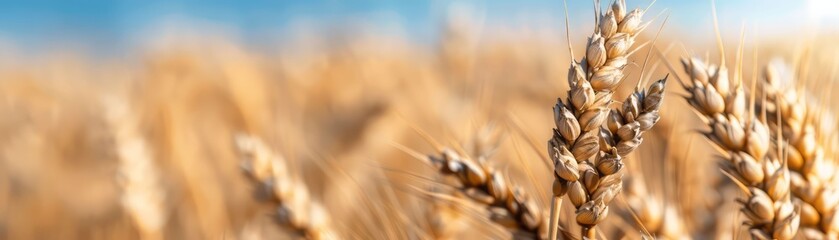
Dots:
{"x": 612, "y": 127}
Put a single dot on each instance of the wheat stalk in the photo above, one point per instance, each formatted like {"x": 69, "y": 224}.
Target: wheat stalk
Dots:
{"x": 745, "y": 142}
{"x": 806, "y": 153}
{"x": 296, "y": 208}
{"x": 576, "y": 137}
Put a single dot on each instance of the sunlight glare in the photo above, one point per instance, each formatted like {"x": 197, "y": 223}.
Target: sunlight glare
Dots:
{"x": 822, "y": 9}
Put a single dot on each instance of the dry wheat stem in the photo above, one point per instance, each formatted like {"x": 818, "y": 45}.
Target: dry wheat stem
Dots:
{"x": 296, "y": 209}
{"x": 746, "y": 143}
{"x": 509, "y": 205}
{"x": 806, "y": 153}
{"x": 576, "y": 138}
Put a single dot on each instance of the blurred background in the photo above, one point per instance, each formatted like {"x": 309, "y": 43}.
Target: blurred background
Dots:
{"x": 114, "y": 28}
{"x": 117, "y": 118}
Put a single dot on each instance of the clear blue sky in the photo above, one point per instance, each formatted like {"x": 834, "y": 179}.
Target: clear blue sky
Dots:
{"x": 121, "y": 23}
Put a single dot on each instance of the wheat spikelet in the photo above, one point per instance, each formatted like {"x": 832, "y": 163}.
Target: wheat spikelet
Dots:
{"x": 640, "y": 111}
{"x": 801, "y": 125}
{"x": 296, "y": 208}
{"x": 143, "y": 196}
{"x": 746, "y": 142}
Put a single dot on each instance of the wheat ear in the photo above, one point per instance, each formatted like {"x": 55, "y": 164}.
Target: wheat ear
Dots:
{"x": 143, "y": 196}
{"x": 576, "y": 138}
{"x": 806, "y": 153}
{"x": 509, "y": 205}
{"x": 745, "y": 142}
{"x": 592, "y": 185}
{"x": 296, "y": 208}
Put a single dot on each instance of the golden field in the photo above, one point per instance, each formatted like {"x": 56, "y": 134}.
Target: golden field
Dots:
{"x": 146, "y": 147}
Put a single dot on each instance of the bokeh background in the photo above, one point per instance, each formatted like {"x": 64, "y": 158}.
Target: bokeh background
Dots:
{"x": 115, "y": 28}
{"x": 103, "y": 103}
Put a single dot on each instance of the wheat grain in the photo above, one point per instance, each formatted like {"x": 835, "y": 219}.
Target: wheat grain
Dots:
{"x": 745, "y": 141}
{"x": 296, "y": 208}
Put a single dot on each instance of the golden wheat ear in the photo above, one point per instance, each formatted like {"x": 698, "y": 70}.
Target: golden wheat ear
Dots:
{"x": 805, "y": 150}
{"x": 509, "y": 205}
{"x": 143, "y": 196}
{"x": 295, "y": 207}
{"x": 587, "y": 158}
{"x": 762, "y": 173}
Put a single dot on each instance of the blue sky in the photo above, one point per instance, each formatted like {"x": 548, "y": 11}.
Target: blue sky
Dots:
{"x": 124, "y": 23}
